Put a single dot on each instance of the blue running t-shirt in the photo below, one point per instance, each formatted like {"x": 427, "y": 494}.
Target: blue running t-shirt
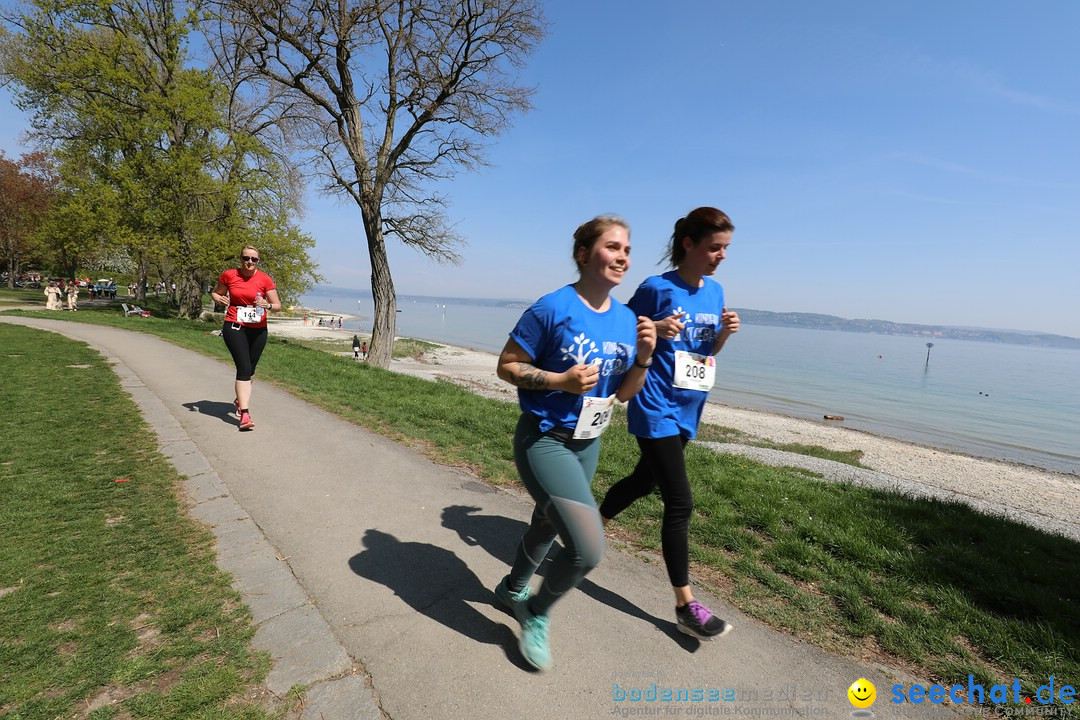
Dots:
{"x": 559, "y": 331}
{"x": 660, "y": 409}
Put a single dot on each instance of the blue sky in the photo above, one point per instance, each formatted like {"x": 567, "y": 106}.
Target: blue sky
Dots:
{"x": 908, "y": 161}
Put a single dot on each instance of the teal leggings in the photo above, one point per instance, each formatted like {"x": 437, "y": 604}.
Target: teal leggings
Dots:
{"x": 558, "y": 475}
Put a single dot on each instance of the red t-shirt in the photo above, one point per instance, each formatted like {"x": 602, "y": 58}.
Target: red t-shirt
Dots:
{"x": 242, "y": 291}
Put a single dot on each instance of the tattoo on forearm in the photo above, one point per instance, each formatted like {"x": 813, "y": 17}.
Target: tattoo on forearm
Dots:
{"x": 531, "y": 377}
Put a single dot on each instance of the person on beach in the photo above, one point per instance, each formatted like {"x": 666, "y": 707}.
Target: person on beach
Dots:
{"x": 356, "y": 347}
{"x": 249, "y": 293}
{"x": 692, "y": 325}
{"x": 571, "y": 355}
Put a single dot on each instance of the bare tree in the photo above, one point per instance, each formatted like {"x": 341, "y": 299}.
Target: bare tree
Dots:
{"x": 392, "y": 96}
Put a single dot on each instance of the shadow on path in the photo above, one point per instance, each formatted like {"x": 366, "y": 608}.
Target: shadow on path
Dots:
{"x": 213, "y": 408}
{"x": 434, "y": 582}
{"x": 499, "y": 537}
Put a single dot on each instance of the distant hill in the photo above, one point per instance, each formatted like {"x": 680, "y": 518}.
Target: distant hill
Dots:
{"x": 815, "y": 321}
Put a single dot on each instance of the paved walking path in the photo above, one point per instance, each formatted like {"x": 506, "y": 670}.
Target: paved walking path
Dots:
{"x": 369, "y": 572}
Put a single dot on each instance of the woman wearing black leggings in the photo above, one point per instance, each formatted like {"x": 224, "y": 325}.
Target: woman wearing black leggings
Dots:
{"x": 248, "y": 293}
{"x": 692, "y": 325}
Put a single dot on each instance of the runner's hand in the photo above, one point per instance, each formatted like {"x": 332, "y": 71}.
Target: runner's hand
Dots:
{"x": 729, "y": 321}
{"x": 646, "y": 339}
{"x": 670, "y": 327}
{"x": 579, "y": 379}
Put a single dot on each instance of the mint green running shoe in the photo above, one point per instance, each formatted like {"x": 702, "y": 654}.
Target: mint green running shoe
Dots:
{"x": 512, "y": 600}
{"x": 534, "y": 638}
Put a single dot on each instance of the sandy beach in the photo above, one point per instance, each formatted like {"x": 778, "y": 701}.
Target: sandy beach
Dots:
{"x": 1042, "y": 498}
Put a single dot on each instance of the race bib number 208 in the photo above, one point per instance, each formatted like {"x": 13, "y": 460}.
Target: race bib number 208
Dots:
{"x": 694, "y": 372}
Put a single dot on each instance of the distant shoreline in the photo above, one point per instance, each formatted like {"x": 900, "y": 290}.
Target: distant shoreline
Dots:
{"x": 807, "y": 321}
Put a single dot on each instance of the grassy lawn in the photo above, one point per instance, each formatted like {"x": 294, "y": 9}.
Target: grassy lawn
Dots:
{"x": 22, "y": 296}
{"x": 404, "y": 347}
{"x": 931, "y": 586}
{"x": 717, "y": 433}
{"x": 109, "y": 595}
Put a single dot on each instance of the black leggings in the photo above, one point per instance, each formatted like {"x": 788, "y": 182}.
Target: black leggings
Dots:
{"x": 661, "y": 464}
{"x": 245, "y": 345}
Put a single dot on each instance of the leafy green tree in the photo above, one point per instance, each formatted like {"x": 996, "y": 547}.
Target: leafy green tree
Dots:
{"x": 27, "y": 192}
{"x": 144, "y": 140}
{"x": 388, "y": 97}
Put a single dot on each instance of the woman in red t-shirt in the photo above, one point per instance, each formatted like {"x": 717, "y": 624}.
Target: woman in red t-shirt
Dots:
{"x": 248, "y": 294}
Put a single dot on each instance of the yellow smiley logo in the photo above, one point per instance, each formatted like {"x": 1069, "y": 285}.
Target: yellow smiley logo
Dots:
{"x": 862, "y": 693}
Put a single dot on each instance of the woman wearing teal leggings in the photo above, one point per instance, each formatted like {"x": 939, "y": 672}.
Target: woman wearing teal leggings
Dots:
{"x": 572, "y": 354}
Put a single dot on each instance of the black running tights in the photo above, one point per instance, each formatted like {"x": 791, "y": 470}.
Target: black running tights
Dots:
{"x": 245, "y": 345}
{"x": 662, "y": 465}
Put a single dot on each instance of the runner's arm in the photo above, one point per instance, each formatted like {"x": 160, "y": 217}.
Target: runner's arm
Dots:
{"x": 635, "y": 376}
{"x": 516, "y": 367}
{"x": 729, "y": 325}
{"x": 220, "y": 294}
{"x": 272, "y": 301}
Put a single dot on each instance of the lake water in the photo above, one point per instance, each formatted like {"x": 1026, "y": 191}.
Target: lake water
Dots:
{"x": 1010, "y": 402}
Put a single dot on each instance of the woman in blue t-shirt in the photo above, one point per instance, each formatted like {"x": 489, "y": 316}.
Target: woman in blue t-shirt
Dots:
{"x": 692, "y": 325}
{"x": 572, "y": 354}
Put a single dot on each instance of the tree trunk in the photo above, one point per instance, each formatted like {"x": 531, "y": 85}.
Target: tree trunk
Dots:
{"x": 11, "y": 272}
{"x": 189, "y": 295}
{"x": 384, "y": 326}
{"x": 140, "y": 290}
{"x": 70, "y": 265}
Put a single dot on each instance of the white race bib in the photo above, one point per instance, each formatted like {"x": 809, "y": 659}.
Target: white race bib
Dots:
{"x": 249, "y": 314}
{"x": 594, "y": 418}
{"x": 694, "y": 372}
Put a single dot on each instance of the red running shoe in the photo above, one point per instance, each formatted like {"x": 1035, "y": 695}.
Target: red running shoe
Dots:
{"x": 246, "y": 423}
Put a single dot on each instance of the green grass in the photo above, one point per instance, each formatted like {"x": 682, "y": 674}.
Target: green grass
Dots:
{"x": 718, "y": 433}
{"x": 408, "y": 347}
{"x": 21, "y": 296}
{"x": 324, "y": 344}
{"x": 932, "y": 586}
{"x": 403, "y": 347}
{"x": 107, "y": 590}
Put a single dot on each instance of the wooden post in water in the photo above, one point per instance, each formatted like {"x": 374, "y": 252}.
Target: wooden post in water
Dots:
{"x": 928, "y": 346}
